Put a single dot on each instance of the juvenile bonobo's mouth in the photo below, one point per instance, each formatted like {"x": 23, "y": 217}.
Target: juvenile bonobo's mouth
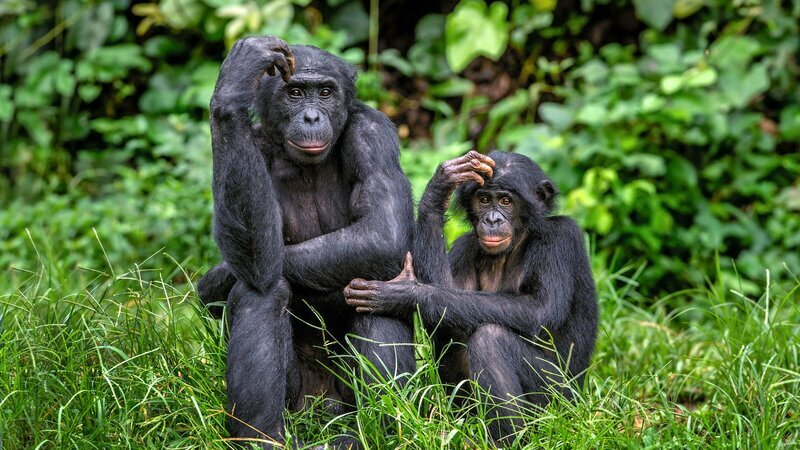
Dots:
{"x": 494, "y": 241}
{"x": 309, "y": 147}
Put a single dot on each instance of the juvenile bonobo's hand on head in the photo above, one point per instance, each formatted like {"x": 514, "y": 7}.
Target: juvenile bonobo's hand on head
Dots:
{"x": 518, "y": 290}
{"x": 307, "y": 197}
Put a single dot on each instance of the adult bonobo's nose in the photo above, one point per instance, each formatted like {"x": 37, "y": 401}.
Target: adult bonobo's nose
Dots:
{"x": 311, "y": 116}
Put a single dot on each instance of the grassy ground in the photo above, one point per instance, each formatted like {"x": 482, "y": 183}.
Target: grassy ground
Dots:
{"x": 110, "y": 360}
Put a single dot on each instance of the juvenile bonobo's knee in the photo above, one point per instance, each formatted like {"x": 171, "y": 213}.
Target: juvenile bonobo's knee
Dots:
{"x": 492, "y": 358}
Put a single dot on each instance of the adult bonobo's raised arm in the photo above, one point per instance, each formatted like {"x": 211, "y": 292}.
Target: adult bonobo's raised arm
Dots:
{"x": 247, "y": 228}
{"x": 521, "y": 276}
{"x": 308, "y": 194}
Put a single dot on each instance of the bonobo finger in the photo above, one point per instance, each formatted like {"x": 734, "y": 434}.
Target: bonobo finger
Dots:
{"x": 481, "y": 157}
{"x": 361, "y": 303}
{"x": 281, "y": 63}
{"x": 360, "y": 283}
{"x": 359, "y": 294}
{"x": 289, "y": 57}
{"x": 468, "y": 176}
{"x": 482, "y": 167}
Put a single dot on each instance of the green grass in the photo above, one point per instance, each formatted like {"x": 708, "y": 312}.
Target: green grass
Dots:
{"x": 102, "y": 360}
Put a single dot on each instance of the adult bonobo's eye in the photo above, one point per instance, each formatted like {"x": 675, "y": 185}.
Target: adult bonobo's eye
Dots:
{"x": 295, "y": 93}
{"x": 484, "y": 199}
{"x": 505, "y": 201}
{"x": 325, "y": 92}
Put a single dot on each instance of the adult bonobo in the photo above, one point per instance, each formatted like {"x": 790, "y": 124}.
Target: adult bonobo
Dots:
{"x": 521, "y": 277}
{"x": 307, "y": 196}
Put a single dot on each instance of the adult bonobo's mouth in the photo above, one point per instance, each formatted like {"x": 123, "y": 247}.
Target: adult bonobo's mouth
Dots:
{"x": 312, "y": 148}
{"x": 494, "y": 241}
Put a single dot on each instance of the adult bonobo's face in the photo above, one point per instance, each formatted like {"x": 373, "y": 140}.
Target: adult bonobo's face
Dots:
{"x": 312, "y": 101}
{"x": 494, "y": 214}
{"x": 310, "y": 111}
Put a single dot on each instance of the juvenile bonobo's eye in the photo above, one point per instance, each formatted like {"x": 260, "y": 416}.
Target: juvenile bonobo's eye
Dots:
{"x": 295, "y": 93}
{"x": 325, "y": 92}
{"x": 484, "y": 199}
{"x": 505, "y": 201}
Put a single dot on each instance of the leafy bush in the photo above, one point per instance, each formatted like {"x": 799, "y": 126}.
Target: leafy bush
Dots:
{"x": 670, "y": 126}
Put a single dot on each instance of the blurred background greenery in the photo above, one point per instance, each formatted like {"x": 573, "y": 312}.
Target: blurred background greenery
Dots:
{"x": 671, "y": 126}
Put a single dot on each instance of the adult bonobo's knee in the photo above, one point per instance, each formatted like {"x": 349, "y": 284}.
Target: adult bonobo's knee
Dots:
{"x": 307, "y": 190}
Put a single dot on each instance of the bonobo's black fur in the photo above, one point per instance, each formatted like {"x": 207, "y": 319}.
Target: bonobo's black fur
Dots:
{"x": 306, "y": 198}
{"x": 522, "y": 276}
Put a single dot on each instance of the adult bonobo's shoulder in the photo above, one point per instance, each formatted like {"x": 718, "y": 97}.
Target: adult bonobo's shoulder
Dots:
{"x": 371, "y": 139}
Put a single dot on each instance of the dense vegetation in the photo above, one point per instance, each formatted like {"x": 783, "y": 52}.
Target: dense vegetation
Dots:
{"x": 671, "y": 127}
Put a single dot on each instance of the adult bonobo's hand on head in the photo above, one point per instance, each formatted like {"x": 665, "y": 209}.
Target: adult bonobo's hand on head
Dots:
{"x": 248, "y": 61}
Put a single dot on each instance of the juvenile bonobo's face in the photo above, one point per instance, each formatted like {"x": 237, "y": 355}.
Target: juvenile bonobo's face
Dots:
{"x": 494, "y": 214}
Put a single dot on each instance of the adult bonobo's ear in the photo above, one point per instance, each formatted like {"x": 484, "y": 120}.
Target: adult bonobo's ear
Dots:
{"x": 546, "y": 192}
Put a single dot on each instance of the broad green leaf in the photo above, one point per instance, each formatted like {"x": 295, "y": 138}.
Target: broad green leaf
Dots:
{"x": 739, "y": 89}
{"x": 558, "y": 116}
{"x": 180, "y": 14}
{"x": 473, "y": 30}
{"x": 790, "y": 122}
{"x": 656, "y": 13}
{"x": 685, "y": 8}
{"x": 544, "y": 5}
{"x": 591, "y": 114}
{"x": 697, "y": 77}
{"x": 671, "y": 84}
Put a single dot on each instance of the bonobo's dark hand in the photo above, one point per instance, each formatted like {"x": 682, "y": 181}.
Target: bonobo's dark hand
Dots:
{"x": 246, "y": 63}
{"x": 394, "y": 297}
{"x": 471, "y": 167}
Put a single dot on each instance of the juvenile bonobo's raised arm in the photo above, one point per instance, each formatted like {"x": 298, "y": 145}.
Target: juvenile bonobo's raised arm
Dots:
{"x": 429, "y": 248}
{"x": 380, "y": 206}
{"x": 247, "y": 220}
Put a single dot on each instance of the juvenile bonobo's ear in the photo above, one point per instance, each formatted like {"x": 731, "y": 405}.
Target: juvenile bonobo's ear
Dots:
{"x": 547, "y": 192}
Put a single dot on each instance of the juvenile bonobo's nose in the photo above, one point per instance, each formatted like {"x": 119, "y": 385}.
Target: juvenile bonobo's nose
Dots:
{"x": 311, "y": 116}
{"x": 494, "y": 218}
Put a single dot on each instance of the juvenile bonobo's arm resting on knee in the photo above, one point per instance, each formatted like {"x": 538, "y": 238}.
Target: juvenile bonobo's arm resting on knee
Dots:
{"x": 374, "y": 244}
{"x": 527, "y": 313}
{"x": 247, "y": 219}
{"x": 429, "y": 250}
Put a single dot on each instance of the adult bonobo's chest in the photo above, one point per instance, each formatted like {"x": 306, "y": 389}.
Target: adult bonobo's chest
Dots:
{"x": 314, "y": 199}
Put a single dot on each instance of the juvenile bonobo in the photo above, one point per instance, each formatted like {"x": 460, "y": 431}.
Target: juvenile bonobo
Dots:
{"x": 521, "y": 277}
{"x": 306, "y": 198}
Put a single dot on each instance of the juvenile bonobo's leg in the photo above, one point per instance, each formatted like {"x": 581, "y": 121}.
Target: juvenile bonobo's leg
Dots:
{"x": 509, "y": 369}
{"x": 259, "y": 358}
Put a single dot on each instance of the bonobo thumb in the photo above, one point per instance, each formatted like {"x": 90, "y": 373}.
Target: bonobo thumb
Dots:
{"x": 407, "y": 273}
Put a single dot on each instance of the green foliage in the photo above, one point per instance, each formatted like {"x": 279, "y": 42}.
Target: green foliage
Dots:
{"x": 673, "y": 138}
{"x": 474, "y": 29}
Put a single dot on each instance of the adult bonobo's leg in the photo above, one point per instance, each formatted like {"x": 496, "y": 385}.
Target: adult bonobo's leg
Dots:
{"x": 247, "y": 229}
{"x": 386, "y": 342}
